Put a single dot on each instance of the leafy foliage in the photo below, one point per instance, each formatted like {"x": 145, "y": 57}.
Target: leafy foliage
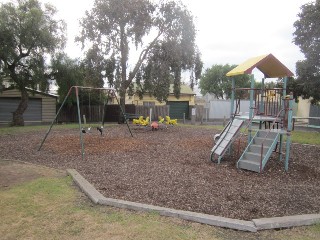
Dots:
{"x": 93, "y": 66}
{"x": 67, "y": 73}
{"x": 27, "y": 33}
{"x": 116, "y": 28}
{"x": 307, "y": 37}
{"x": 215, "y": 81}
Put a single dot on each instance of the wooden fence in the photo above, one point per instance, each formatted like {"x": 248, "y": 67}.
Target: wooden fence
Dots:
{"x": 156, "y": 111}
{"x": 111, "y": 114}
{"x": 200, "y": 112}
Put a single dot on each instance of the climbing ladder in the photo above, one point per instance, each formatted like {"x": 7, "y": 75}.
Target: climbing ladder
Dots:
{"x": 259, "y": 150}
{"x": 227, "y": 136}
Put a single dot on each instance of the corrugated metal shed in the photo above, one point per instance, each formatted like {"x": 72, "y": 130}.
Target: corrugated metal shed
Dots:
{"x": 42, "y": 106}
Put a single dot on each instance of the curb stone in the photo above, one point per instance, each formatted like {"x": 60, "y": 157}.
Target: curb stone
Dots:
{"x": 85, "y": 186}
{"x": 251, "y": 226}
{"x": 286, "y": 222}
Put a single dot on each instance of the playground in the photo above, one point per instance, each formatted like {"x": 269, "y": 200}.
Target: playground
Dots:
{"x": 171, "y": 168}
{"x": 250, "y": 173}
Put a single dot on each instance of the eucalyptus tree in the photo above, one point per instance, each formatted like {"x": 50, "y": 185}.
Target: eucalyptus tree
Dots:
{"x": 307, "y": 37}
{"x": 215, "y": 81}
{"x": 161, "y": 34}
{"x": 66, "y": 72}
{"x": 28, "y": 31}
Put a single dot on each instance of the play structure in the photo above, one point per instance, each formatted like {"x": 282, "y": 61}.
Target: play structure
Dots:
{"x": 106, "y": 93}
{"x": 269, "y": 107}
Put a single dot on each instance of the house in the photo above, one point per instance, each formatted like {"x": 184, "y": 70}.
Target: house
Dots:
{"x": 178, "y": 106}
{"x": 41, "y": 106}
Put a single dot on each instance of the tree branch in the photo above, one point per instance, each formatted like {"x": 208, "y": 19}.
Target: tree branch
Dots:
{"x": 142, "y": 57}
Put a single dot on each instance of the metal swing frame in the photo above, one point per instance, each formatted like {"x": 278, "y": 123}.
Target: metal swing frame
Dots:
{"x": 76, "y": 88}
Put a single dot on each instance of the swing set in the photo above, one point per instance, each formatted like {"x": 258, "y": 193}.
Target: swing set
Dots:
{"x": 82, "y": 130}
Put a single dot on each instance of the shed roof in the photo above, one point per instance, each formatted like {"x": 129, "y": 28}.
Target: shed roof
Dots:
{"x": 268, "y": 64}
{"x": 185, "y": 89}
{"x": 32, "y": 90}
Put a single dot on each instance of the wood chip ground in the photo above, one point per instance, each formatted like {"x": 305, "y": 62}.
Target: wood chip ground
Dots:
{"x": 171, "y": 168}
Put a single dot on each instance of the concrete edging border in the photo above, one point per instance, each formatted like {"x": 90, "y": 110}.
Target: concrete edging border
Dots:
{"x": 251, "y": 226}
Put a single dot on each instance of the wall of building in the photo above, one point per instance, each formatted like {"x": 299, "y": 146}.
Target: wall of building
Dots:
{"x": 48, "y": 103}
{"x": 146, "y": 98}
{"x": 303, "y": 109}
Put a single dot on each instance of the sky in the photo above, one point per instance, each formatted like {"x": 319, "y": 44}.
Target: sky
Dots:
{"x": 228, "y": 31}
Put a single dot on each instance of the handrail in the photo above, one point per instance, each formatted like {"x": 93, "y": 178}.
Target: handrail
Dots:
{"x": 265, "y": 137}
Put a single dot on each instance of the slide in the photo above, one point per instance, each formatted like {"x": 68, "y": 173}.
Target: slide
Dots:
{"x": 227, "y": 136}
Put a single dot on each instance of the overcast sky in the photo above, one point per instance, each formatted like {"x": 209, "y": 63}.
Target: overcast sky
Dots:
{"x": 229, "y": 31}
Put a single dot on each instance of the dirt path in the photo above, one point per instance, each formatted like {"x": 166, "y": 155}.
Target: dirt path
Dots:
{"x": 13, "y": 173}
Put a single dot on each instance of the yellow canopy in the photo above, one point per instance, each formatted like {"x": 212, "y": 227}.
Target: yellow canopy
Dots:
{"x": 269, "y": 65}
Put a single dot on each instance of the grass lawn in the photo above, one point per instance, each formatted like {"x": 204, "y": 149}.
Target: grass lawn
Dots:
{"x": 52, "y": 208}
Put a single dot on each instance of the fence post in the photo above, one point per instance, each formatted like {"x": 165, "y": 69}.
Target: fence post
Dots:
{"x": 193, "y": 116}
{"x": 150, "y": 113}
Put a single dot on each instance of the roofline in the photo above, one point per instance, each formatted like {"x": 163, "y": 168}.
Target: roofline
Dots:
{"x": 32, "y": 90}
{"x": 259, "y": 61}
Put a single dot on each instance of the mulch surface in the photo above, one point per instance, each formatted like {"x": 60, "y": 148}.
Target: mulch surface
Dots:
{"x": 171, "y": 168}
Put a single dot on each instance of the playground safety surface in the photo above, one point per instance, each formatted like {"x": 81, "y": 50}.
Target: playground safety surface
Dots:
{"x": 171, "y": 168}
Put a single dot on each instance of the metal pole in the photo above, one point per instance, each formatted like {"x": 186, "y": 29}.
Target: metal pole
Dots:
{"x": 150, "y": 113}
{"x": 289, "y": 129}
{"x": 263, "y": 93}
{"x": 45, "y": 137}
{"x": 80, "y": 127}
{"x": 251, "y": 108}
{"x": 232, "y": 99}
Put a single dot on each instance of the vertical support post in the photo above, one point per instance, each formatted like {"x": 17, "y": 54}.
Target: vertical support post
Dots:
{"x": 262, "y": 96}
{"x": 232, "y": 98}
{"x": 150, "y": 115}
{"x": 284, "y": 93}
{"x": 280, "y": 147}
{"x": 55, "y": 118}
{"x": 289, "y": 129}
{"x": 251, "y": 108}
{"x": 193, "y": 116}
{"x": 284, "y": 90}
{"x": 80, "y": 127}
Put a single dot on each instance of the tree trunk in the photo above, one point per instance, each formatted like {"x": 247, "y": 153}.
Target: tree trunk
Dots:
{"x": 17, "y": 118}
{"x": 122, "y": 94}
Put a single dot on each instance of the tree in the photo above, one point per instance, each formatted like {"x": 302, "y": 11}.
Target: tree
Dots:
{"x": 93, "y": 66}
{"x": 215, "y": 81}
{"x": 307, "y": 37}
{"x": 27, "y": 33}
{"x": 117, "y": 27}
{"x": 66, "y": 72}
